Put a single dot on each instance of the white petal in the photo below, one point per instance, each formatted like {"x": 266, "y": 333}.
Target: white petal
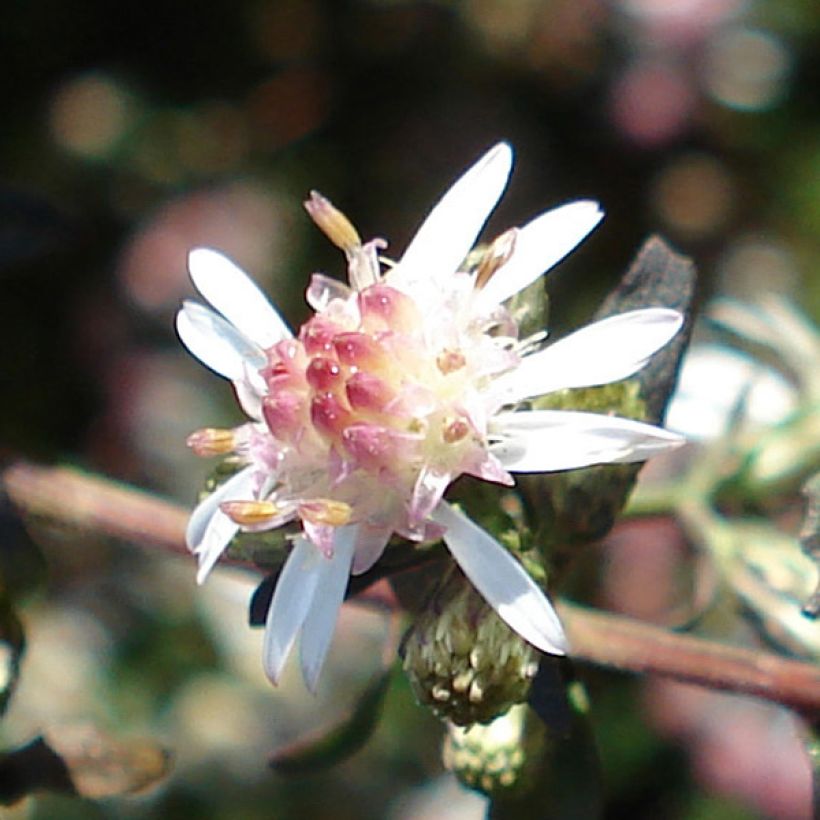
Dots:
{"x": 370, "y": 544}
{"x": 209, "y": 530}
{"x": 250, "y": 390}
{"x": 203, "y": 512}
{"x": 505, "y": 584}
{"x": 539, "y": 245}
{"x": 323, "y": 290}
{"x": 231, "y": 291}
{"x": 320, "y": 623}
{"x": 292, "y": 598}
{"x": 599, "y": 353}
{"x": 430, "y": 487}
{"x": 540, "y": 441}
{"x": 452, "y": 227}
{"x": 216, "y": 342}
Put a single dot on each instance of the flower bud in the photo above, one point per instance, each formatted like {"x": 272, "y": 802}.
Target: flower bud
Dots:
{"x": 250, "y": 513}
{"x": 334, "y": 224}
{"x": 463, "y": 661}
{"x": 498, "y": 758}
{"x": 212, "y": 441}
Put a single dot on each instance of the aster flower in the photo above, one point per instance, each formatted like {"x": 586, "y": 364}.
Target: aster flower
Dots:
{"x": 406, "y": 378}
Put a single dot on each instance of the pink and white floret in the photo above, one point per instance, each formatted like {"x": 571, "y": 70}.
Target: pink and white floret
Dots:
{"x": 404, "y": 379}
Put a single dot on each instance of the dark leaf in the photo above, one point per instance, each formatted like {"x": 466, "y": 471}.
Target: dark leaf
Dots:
{"x": 568, "y": 781}
{"x": 578, "y": 506}
{"x": 548, "y": 698}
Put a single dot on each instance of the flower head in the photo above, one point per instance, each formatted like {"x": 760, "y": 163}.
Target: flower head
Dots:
{"x": 406, "y": 378}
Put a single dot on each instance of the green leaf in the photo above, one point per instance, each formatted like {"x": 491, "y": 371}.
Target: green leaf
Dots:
{"x": 579, "y": 506}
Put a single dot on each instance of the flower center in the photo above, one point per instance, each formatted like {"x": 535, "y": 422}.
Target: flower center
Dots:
{"x": 363, "y": 391}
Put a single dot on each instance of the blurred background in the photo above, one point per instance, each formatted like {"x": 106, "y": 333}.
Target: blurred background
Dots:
{"x": 134, "y": 131}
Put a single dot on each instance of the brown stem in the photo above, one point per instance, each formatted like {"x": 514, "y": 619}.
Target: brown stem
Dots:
{"x": 98, "y": 504}
{"x": 632, "y": 646}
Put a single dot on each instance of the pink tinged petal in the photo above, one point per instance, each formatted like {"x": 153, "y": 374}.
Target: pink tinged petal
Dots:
{"x": 339, "y": 468}
{"x": 373, "y": 447}
{"x": 292, "y": 598}
{"x": 328, "y": 415}
{"x": 209, "y": 530}
{"x": 600, "y": 353}
{"x": 282, "y": 411}
{"x": 321, "y": 536}
{"x": 236, "y": 297}
{"x": 323, "y": 373}
{"x": 503, "y": 582}
{"x": 320, "y": 623}
{"x": 317, "y": 335}
{"x": 540, "y": 245}
{"x": 389, "y": 308}
{"x": 368, "y": 392}
{"x": 428, "y": 492}
{"x": 546, "y": 440}
{"x": 286, "y": 365}
{"x": 370, "y": 544}
{"x": 450, "y": 231}
{"x": 323, "y": 290}
{"x": 490, "y": 469}
{"x": 215, "y": 342}
{"x": 358, "y": 350}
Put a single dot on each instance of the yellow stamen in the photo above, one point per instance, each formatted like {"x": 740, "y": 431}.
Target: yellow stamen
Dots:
{"x": 326, "y": 511}
{"x": 334, "y": 224}
{"x": 448, "y": 361}
{"x": 212, "y": 441}
{"x": 455, "y": 431}
{"x": 249, "y": 513}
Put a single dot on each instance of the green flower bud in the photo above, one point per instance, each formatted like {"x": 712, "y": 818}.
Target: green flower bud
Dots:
{"x": 462, "y": 660}
{"x": 500, "y": 758}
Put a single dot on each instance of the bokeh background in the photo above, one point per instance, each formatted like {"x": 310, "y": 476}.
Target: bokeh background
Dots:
{"x": 134, "y": 131}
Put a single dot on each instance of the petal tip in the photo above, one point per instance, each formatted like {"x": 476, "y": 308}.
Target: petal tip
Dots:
{"x": 201, "y": 255}
{"x": 273, "y": 667}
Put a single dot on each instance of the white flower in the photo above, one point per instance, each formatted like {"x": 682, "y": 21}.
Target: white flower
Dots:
{"x": 399, "y": 383}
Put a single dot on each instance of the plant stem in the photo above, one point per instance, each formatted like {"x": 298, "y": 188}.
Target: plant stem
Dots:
{"x": 632, "y": 646}
{"x": 96, "y": 504}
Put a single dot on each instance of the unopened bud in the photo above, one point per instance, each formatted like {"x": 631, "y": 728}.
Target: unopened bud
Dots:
{"x": 333, "y": 223}
{"x": 463, "y": 661}
{"x": 497, "y": 758}
{"x": 212, "y": 441}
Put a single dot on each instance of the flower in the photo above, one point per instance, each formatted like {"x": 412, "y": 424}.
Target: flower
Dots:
{"x": 403, "y": 380}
